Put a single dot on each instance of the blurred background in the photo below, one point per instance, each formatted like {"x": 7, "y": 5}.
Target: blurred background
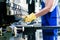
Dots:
{"x": 11, "y": 13}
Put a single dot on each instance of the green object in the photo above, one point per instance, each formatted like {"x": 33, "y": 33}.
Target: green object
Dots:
{"x": 2, "y": 38}
{"x": 9, "y": 29}
{"x": 8, "y": 35}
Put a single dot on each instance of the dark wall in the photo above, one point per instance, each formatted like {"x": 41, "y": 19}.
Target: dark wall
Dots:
{"x": 2, "y": 11}
{"x": 4, "y": 18}
{"x": 31, "y": 7}
{"x": 2, "y": 0}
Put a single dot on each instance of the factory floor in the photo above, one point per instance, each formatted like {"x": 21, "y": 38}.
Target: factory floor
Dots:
{"x": 12, "y": 38}
{"x": 9, "y": 37}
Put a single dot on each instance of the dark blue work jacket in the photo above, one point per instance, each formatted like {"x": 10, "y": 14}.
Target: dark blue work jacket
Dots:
{"x": 49, "y": 19}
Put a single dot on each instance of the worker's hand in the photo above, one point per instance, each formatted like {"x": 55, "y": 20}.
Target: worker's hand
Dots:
{"x": 29, "y": 18}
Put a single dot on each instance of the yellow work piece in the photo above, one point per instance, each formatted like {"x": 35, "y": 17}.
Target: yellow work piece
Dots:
{"x": 30, "y": 18}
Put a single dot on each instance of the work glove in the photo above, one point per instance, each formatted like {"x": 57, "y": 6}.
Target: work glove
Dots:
{"x": 29, "y": 18}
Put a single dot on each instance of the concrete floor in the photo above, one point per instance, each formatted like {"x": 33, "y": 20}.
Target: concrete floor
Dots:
{"x": 12, "y": 38}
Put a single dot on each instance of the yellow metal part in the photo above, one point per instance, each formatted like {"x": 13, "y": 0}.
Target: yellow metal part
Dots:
{"x": 30, "y": 18}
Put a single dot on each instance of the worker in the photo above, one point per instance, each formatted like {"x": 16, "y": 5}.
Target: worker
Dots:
{"x": 48, "y": 15}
